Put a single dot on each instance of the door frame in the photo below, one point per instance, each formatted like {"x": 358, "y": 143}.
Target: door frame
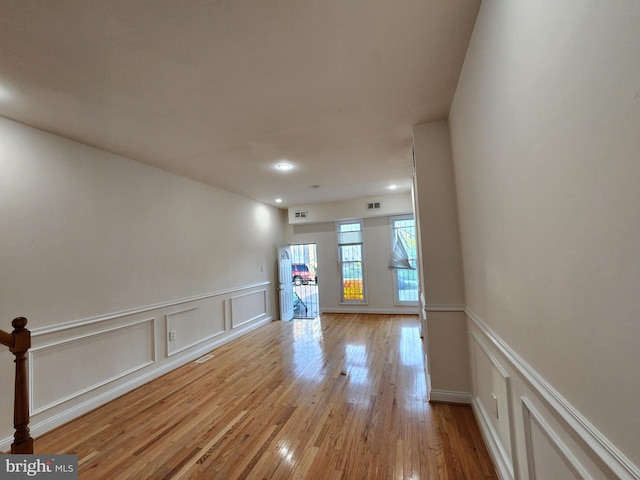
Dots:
{"x": 285, "y": 283}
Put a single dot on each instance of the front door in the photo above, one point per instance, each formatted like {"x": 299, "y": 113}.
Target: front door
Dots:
{"x": 285, "y": 284}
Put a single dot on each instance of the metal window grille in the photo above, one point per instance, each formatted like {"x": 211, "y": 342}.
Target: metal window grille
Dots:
{"x": 406, "y": 279}
{"x": 350, "y": 249}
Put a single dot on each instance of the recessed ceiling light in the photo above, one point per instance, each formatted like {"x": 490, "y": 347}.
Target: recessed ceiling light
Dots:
{"x": 392, "y": 187}
{"x": 283, "y": 166}
{"x": 278, "y": 200}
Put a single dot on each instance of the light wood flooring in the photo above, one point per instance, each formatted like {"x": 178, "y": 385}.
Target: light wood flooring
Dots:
{"x": 339, "y": 397}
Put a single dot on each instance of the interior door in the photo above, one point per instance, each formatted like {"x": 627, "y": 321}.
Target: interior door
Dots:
{"x": 285, "y": 284}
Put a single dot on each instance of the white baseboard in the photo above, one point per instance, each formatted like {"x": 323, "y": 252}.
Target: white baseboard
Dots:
{"x": 447, "y": 396}
{"x": 374, "y": 311}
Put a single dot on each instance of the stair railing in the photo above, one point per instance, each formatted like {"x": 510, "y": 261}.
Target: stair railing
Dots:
{"x": 19, "y": 342}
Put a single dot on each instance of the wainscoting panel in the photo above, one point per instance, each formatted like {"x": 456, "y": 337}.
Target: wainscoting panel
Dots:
{"x": 69, "y": 368}
{"x": 546, "y": 436}
{"x": 191, "y": 325}
{"x": 248, "y": 307}
{"x": 76, "y": 366}
{"x": 492, "y": 398}
{"x": 547, "y": 455}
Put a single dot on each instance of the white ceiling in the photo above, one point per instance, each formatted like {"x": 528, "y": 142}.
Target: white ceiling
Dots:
{"x": 221, "y": 90}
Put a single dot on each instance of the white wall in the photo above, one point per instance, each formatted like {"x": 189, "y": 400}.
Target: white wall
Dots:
{"x": 378, "y": 275}
{"x": 391, "y": 204}
{"x": 545, "y": 130}
{"x": 446, "y": 331}
{"x": 104, "y": 255}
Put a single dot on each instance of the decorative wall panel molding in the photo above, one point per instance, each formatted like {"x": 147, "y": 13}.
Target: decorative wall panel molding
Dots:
{"x": 534, "y": 423}
{"x": 497, "y": 451}
{"x": 191, "y": 326}
{"x": 106, "y": 356}
{"x": 248, "y": 307}
{"x": 610, "y": 463}
{"x": 83, "y": 363}
{"x": 492, "y": 402}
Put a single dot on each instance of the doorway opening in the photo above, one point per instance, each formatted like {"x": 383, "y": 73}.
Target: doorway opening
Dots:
{"x": 304, "y": 275}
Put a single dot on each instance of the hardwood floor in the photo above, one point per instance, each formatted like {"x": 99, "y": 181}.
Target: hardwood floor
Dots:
{"x": 340, "y": 397}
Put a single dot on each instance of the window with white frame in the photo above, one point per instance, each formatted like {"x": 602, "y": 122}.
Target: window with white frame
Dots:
{"x": 404, "y": 259}
{"x": 350, "y": 254}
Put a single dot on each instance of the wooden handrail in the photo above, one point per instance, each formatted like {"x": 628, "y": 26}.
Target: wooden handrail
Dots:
{"x": 19, "y": 342}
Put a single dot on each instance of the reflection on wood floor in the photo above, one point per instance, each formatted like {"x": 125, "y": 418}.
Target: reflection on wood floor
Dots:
{"x": 339, "y": 397}
{"x": 305, "y": 301}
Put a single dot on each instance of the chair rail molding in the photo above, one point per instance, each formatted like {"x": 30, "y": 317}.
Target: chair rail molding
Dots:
{"x": 593, "y": 439}
{"x": 133, "y": 311}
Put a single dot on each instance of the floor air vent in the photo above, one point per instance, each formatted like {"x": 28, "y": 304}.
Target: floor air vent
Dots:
{"x": 204, "y": 359}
